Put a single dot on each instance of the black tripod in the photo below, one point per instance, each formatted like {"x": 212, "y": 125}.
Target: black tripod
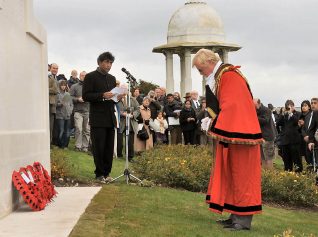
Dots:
{"x": 126, "y": 172}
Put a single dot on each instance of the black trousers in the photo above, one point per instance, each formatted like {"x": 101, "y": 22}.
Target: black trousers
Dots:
{"x": 131, "y": 151}
{"x": 291, "y": 157}
{"x": 102, "y": 149}
{"x": 188, "y": 137}
{"x": 120, "y": 137}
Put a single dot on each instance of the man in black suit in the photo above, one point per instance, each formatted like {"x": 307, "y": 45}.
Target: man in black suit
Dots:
{"x": 97, "y": 88}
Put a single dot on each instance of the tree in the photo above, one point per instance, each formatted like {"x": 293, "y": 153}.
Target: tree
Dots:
{"x": 145, "y": 87}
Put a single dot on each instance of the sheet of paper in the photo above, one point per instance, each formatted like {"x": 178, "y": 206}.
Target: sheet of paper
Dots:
{"x": 173, "y": 121}
{"x": 118, "y": 91}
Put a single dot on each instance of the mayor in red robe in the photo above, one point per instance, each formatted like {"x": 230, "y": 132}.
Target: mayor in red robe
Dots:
{"x": 235, "y": 181}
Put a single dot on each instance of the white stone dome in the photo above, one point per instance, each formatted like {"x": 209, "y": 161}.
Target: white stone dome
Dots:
{"x": 195, "y": 22}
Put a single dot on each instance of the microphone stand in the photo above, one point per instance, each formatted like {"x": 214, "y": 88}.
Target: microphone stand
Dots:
{"x": 126, "y": 172}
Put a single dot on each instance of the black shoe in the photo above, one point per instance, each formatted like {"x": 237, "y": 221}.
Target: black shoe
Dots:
{"x": 235, "y": 227}
{"x": 224, "y": 221}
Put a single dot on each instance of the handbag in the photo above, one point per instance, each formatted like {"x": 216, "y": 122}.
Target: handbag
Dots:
{"x": 143, "y": 134}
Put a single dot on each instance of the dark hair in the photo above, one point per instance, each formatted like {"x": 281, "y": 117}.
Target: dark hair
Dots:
{"x": 305, "y": 102}
{"x": 105, "y": 56}
{"x": 270, "y": 106}
{"x": 187, "y": 101}
{"x": 288, "y": 103}
{"x": 169, "y": 95}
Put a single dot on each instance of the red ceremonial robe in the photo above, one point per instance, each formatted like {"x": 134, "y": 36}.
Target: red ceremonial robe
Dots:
{"x": 235, "y": 181}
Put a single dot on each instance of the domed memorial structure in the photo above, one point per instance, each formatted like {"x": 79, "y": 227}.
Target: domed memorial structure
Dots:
{"x": 192, "y": 27}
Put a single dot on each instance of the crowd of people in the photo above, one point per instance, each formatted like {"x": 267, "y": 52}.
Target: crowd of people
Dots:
{"x": 170, "y": 119}
{"x": 167, "y": 118}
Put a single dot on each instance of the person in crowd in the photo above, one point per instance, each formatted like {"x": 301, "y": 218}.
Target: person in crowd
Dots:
{"x": 126, "y": 112}
{"x": 314, "y": 104}
{"x": 61, "y": 77}
{"x": 188, "y": 123}
{"x": 203, "y": 113}
{"x": 162, "y": 98}
{"x": 238, "y": 136}
{"x": 97, "y": 88}
{"x": 160, "y": 125}
{"x": 195, "y": 104}
{"x": 271, "y": 107}
{"x": 313, "y": 131}
{"x": 177, "y": 98}
{"x": 73, "y": 78}
{"x": 172, "y": 111}
{"x": 64, "y": 108}
{"x": 306, "y": 115}
{"x": 154, "y": 107}
{"x": 187, "y": 96}
{"x": 53, "y": 91}
{"x": 143, "y": 117}
{"x": 138, "y": 96}
{"x": 157, "y": 93}
{"x": 268, "y": 132}
{"x": 81, "y": 115}
{"x": 290, "y": 137}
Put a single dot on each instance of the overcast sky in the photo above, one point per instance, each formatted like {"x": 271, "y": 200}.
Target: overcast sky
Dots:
{"x": 279, "y": 40}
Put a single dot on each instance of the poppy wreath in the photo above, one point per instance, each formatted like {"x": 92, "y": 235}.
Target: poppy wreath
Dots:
{"x": 44, "y": 180}
{"x": 38, "y": 184}
{"x": 28, "y": 189}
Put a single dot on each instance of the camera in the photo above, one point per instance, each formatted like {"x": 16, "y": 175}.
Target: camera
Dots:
{"x": 147, "y": 122}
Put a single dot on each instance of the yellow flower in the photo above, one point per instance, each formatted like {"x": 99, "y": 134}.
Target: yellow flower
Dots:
{"x": 295, "y": 180}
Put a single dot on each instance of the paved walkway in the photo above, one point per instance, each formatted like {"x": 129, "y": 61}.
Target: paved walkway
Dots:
{"x": 56, "y": 220}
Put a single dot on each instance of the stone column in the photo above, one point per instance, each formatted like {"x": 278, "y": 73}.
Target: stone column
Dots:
{"x": 169, "y": 72}
{"x": 203, "y": 86}
{"x": 182, "y": 77}
{"x": 187, "y": 76}
{"x": 225, "y": 55}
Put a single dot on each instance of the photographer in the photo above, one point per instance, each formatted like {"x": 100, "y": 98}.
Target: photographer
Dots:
{"x": 290, "y": 137}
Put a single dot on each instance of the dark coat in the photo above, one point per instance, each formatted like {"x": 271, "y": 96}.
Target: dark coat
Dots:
{"x": 289, "y": 129}
{"x": 266, "y": 123}
{"x": 184, "y": 115}
{"x": 313, "y": 127}
{"x": 170, "y": 107}
{"x": 154, "y": 107}
{"x": 101, "y": 110}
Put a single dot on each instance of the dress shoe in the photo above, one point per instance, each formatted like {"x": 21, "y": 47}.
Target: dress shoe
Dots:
{"x": 235, "y": 227}
{"x": 224, "y": 221}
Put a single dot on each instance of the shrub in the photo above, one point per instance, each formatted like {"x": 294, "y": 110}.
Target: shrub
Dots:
{"x": 60, "y": 166}
{"x": 177, "y": 166}
{"x": 188, "y": 167}
{"x": 291, "y": 188}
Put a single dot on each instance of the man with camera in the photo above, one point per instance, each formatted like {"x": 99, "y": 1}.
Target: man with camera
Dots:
{"x": 290, "y": 137}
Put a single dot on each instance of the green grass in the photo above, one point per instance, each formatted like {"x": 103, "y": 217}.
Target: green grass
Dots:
{"x": 129, "y": 210}
{"x": 126, "y": 210}
{"x": 81, "y": 165}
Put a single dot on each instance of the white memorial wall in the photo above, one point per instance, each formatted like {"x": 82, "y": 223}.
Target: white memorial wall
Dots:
{"x": 24, "y": 123}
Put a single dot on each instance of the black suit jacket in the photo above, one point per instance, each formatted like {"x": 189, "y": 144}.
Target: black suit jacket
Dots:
{"x": 101, "y": 110}
{"x": 313, "y": 127}
{"x": 290, "y": 129}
